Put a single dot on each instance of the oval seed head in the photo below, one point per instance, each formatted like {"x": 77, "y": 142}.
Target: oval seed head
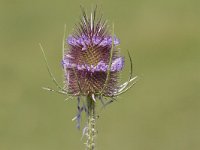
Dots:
{"x": 92, "y": 61}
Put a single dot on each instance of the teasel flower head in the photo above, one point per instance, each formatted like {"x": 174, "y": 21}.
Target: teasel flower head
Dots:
{"x": 92, "y": 64}
{"x": 92, "y": 61}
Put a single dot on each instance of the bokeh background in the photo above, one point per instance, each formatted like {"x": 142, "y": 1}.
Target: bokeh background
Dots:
{"x": 161, "y": 112}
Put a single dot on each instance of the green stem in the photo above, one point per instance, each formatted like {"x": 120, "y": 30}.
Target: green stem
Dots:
{"x": 91, "y": 131}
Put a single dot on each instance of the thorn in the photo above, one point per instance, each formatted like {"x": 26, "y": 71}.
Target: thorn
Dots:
{"x": 48, "y": 89}
{"x": 74, "y": 118}
{"x": 84, "y": 132}
{"x": 93, "y": 98}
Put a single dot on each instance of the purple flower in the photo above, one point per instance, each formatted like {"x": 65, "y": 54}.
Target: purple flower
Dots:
{"x": 88, "y": 63}
{"x": 92, "y": 64}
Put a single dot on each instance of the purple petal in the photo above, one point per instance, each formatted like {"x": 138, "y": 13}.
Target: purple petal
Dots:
{"x": 71, "y": 40}
{"x": 117, "y": 64}
{"x": 116, "y": 41}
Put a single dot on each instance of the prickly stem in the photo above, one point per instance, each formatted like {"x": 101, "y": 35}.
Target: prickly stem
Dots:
{"x": 91, "y": 131}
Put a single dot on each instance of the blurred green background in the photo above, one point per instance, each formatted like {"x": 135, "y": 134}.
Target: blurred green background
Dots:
{"x": 162, "y": 112}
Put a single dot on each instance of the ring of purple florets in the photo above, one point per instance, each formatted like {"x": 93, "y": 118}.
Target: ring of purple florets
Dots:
{"x": 84, "y": 42}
